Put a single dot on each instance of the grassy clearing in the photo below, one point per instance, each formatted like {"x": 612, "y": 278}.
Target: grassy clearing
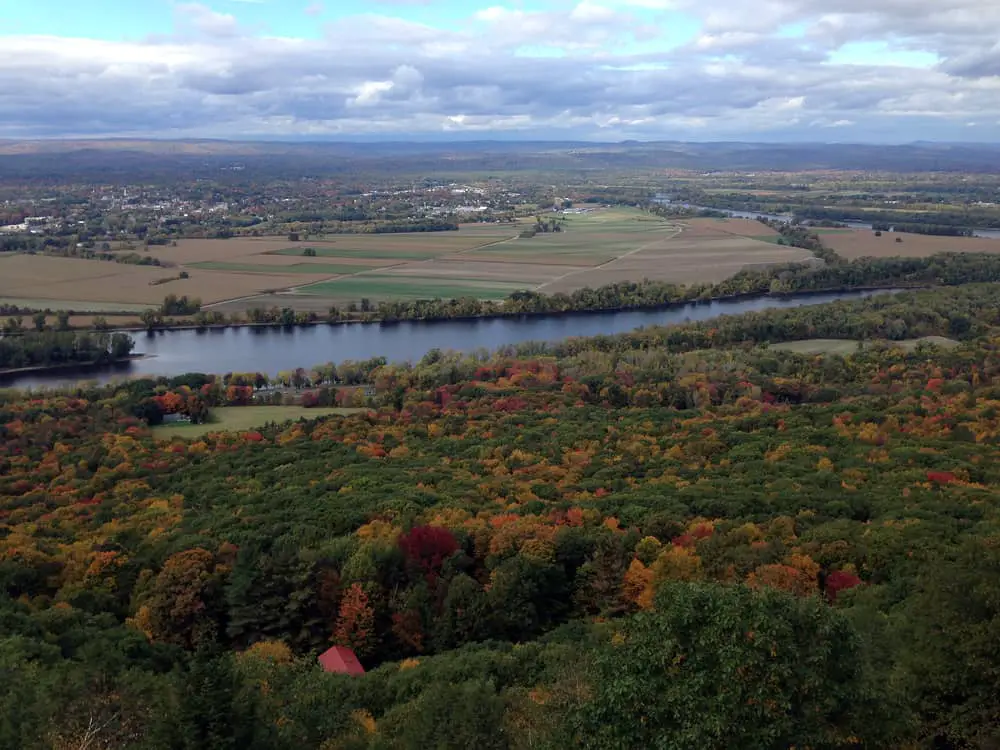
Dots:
{"x": 326, "y": 269}
{"x": 411, "y": 287}
{"x": 236, "y": 418}
{"x": 849, "y": 346}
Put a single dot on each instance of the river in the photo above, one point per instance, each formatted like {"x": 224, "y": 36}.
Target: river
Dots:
{"x": 270, "y": 349}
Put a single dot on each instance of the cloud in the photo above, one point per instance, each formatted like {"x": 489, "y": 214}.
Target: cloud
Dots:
{"x": 605, "y": 69}
{"x": 202, "y": 19}
{"x": 315, "y": 9}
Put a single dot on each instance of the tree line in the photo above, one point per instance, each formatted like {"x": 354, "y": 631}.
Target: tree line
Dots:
{"x": 56, "y": 348}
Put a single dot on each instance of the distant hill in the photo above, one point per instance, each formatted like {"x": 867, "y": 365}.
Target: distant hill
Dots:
{"x": 116, "y": 158}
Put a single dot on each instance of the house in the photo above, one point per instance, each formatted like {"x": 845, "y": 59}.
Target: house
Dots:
{"x": 341, "y": 660}
{"x": 175, "y": 418}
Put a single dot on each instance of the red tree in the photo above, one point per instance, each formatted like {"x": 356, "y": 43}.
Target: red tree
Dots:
{"x": 940, "y": 477}
{"x": 838, "y": 581}
{"x": 428, "y": 547}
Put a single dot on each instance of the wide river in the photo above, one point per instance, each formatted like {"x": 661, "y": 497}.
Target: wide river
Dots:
{"x": 269, "y": 350}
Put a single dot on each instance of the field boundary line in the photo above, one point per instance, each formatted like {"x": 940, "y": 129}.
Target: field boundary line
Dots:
{"x": 677, "y": 230}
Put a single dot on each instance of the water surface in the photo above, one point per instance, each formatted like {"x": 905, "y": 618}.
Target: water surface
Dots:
{"x": 270, "y": 349}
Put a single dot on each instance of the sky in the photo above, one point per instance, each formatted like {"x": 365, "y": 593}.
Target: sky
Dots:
{"x": 890, "y": 71}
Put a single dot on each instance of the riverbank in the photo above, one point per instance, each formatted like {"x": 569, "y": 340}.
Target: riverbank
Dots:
{"x": 268, "y": 349}
{"x": 64, "y": 366}
{"x": 501, "y": 314}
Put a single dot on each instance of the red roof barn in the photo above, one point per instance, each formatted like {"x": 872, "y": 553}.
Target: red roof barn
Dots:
{"x": 341, "y": 660}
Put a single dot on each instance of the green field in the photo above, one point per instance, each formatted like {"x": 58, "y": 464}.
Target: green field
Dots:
{"x": 374, "y": 253}
{"x": 412, "y": 287}
{"x": 848, "y": 346}
{"x": 326, "y": 269}
{"x": 591, "y": 238}
{"x": 236, "y": 418}
{"x": 405, "y": 245}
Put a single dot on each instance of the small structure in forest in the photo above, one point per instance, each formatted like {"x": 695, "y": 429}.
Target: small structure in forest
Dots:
{"x": 341, "y": 660}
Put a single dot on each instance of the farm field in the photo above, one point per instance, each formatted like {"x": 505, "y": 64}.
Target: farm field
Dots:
{"x": 487, "y": 261}
{"x": 849, "y": 346}
{"x": 68, "y": 304}
{"x": 860, "y": 243}
{"x": 325, "y": 269}
{"x": 384, "y": 286}
{"x": 705, "y": 250}
{"x": 734, "y": 227}
{"x": 96, "y": 286}
{"x": 234, "y": 418}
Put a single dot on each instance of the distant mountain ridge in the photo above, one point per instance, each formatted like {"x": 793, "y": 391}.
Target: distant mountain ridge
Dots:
{"x": 73, "y": 157}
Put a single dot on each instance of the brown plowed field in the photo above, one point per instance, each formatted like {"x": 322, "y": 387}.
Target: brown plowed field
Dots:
{"x": 861, "y": 243}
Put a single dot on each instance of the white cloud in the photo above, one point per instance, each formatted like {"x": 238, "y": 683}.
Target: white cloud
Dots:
{"x": 590, "y": 67}
{"x": 203, "y": 19}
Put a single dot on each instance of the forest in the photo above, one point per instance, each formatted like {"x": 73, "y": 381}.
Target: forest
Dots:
{"x": 681, "y": 537}
{"x": 57, "y": 348}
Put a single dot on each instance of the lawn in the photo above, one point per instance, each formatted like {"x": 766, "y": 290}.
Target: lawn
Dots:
{"x": 848, "y": 346}
{"x": 236, "y": 418}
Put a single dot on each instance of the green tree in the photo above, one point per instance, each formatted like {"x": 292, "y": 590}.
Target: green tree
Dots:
{"x": 725, "y": 667}
{"x": 38, "y": 319}
{"x": 448, "y": 717}
{"x": 151, "y": 319}
{"x": 208, "y": 714}
{"x": 948, "y": 639}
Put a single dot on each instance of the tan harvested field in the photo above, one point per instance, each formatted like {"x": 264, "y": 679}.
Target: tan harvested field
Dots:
{"x": 75, "y": 305}
{"x": 300, "y": 302}
{"x": 722, "y": 227}
{"x": 862, "y": 243}
{"x": 115, "y": 321}
{"x": 65, "y": 281}
{"x": 683, "y": 260}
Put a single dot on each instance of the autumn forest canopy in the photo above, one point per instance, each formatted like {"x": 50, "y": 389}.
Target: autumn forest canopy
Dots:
{"x": 683, "y": 537}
